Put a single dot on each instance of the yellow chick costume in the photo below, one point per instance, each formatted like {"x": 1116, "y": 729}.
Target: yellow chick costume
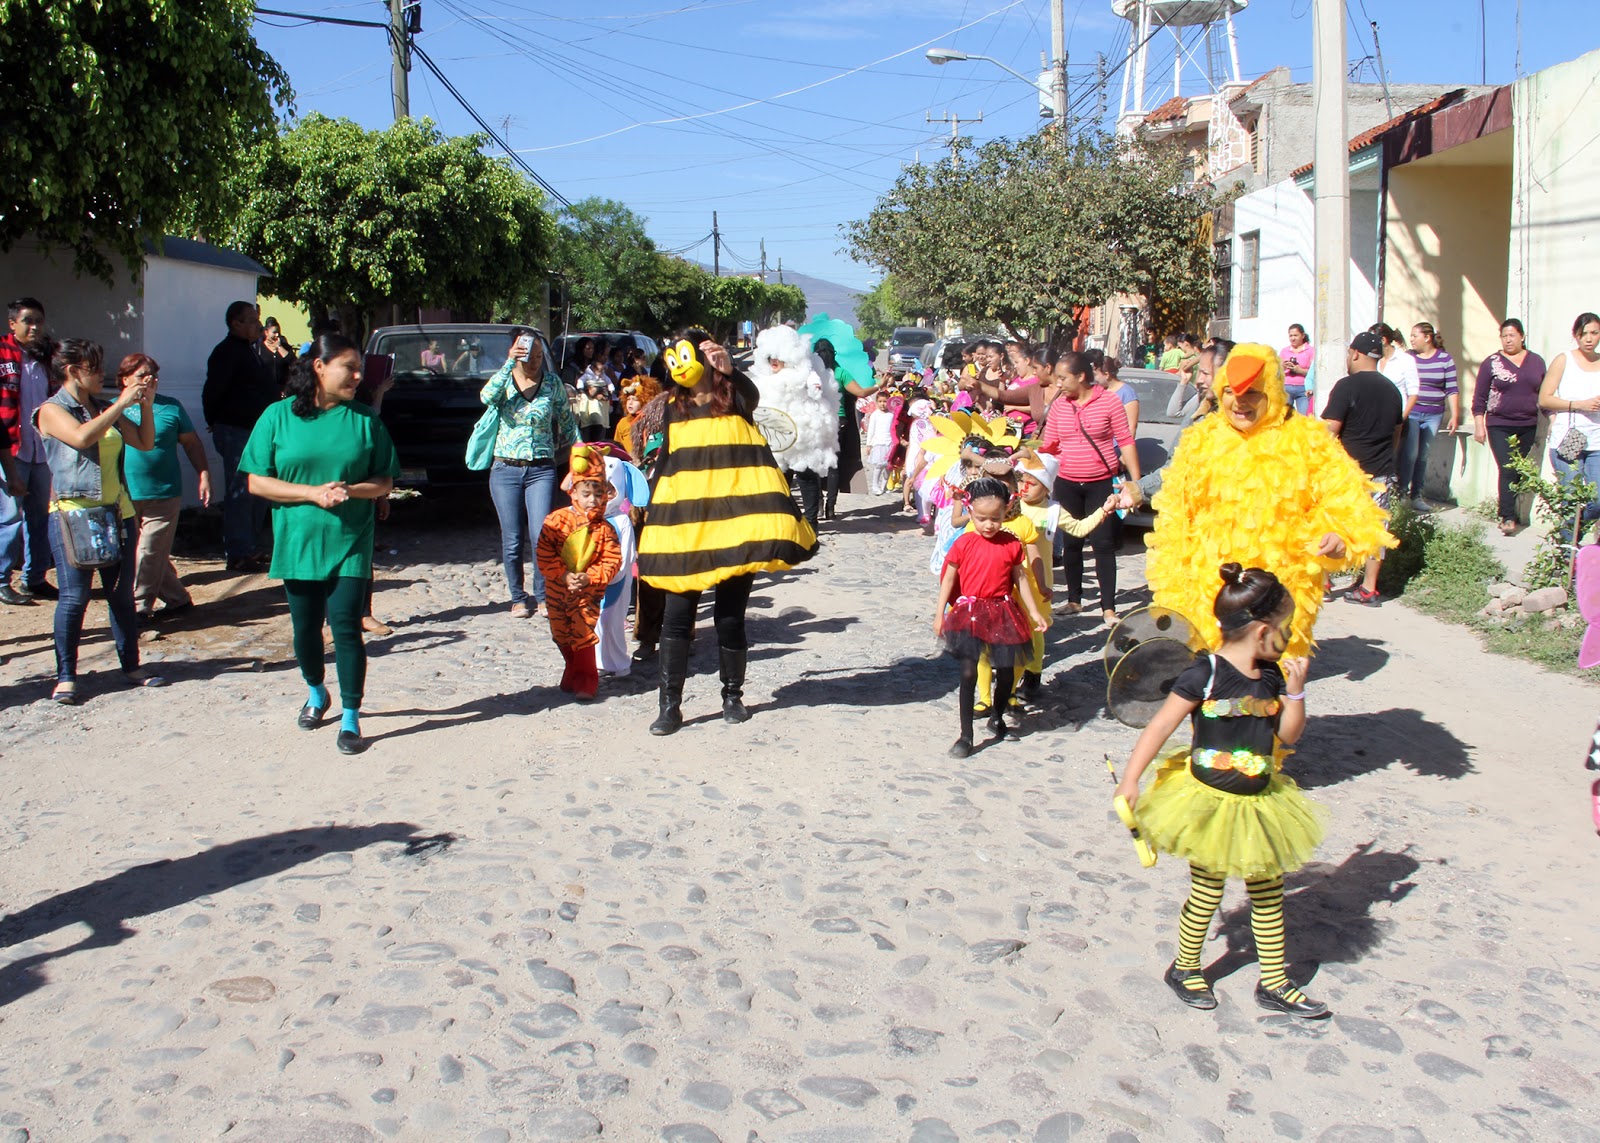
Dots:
{"x": 1263, "y": 498}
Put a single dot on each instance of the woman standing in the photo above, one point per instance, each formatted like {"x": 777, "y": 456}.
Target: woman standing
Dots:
{"x": 83, "y": 445}
{"x": 1505, "y": 407}
{"x": 1571, "y": 394}
{"x": 1105, "y": 375}
{"x": 1087, "y": 428}
{"x": 850, "y": 391}
{"x": 1398, "y": 366}
{"x": 1438, "y": 398}
{"x": 322, "y": 458}
{"x": 155, "y": 482}
{"x": 1297, "y": 357}
{"x": 720, "y": 511}
{"x": 536, "y": 430}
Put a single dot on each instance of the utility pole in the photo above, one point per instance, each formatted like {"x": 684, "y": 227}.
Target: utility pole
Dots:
{"x": 780, "y": 269}
{"x": 716, "y": 247}
{"x": 955, "y": 131}
{"x": 1383, "y": 76}
{"x": 1100, "y": 87}
{"x": 400, "y": 69}
{"x": 1058, "y": 67}
{"x": 1331, "y": 172}
{"x": 763, "y": 261}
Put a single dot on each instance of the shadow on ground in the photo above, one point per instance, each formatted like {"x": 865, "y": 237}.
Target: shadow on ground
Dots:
{"x": 1339, "y": 747}
{"x": 106, "y": 906}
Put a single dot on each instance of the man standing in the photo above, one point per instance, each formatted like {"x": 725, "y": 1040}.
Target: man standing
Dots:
{"x": 25, "y": 501}
{"x": 239, "y": 387}
{"x": 1365, "y": 411}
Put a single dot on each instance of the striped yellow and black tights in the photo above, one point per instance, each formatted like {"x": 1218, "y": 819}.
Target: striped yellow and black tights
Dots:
{"x": 1266, "y": 924}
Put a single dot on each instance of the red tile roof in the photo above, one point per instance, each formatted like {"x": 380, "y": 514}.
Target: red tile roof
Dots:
{"x": 1169, "y": 112}
{"x": 1369, "y": 137}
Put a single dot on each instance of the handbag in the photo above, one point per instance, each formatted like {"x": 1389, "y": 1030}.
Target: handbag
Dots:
{"x": 480, "y": 445}
{"x": 91, "y": 537}
{"x": 1573, "y": 445}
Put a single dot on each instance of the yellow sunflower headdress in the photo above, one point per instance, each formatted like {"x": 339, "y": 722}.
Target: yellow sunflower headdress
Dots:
{"x": 962, "y": 436}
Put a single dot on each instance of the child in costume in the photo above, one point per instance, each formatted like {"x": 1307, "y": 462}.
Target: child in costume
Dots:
{"x": 578, "y": 555}
{"x": 1223, "y": 803}
{"x": 629, "y": 491}
{"x": 1255, "y": 486}
{"x": 879, "y": 436}
{"x": 984, "y": 575}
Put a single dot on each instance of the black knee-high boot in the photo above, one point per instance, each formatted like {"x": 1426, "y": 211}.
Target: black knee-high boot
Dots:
{"x": 733, "y": 708}
{"x": 674, "y": 666}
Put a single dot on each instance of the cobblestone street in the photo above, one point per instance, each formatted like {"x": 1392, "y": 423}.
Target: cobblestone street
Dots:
{"x": 515, "y": 918}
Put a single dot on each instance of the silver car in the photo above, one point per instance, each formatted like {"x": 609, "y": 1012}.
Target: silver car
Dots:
{"x": 1166, "y": 405}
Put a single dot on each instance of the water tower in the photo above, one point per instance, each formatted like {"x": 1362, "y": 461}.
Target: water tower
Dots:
{"x": 1149, "y": 19}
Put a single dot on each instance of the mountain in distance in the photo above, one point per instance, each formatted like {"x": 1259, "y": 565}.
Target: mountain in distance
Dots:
{"x": 822, "y": 297}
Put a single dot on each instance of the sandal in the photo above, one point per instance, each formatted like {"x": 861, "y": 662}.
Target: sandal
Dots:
{"x": 66, "y": 693}
{"x": 139, "y": 677}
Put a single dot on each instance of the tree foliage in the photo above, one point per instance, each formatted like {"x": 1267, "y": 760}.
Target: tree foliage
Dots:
{"x": 121, "y": 112}
{"x": 354, "y": 221}
{"x": 1025, "y": 232}
{"x": 886, "y": 306}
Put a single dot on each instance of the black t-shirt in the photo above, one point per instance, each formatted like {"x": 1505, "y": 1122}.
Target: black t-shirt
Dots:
{"x": 1369, "y": 407}
{"x": 1225, "y": 727}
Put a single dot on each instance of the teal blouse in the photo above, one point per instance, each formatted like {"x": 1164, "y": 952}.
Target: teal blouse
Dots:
{"x": 542, "y": 428}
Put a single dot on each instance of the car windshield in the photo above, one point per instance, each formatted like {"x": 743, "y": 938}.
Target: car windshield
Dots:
{"x": 419, "y": 354}
{"x": 1155, "y": 394}
{"x": 913, "y": 338}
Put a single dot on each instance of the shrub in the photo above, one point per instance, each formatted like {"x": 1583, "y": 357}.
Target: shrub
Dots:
{"x": 1556, "y": 507}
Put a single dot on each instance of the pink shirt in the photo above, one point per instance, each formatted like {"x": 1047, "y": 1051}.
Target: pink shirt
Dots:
{"x": 1302, "y": 357}
{"x": 1070, "y": 428}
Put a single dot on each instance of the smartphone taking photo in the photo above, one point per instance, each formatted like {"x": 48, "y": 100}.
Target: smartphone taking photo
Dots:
{"x": 522, "y": 347}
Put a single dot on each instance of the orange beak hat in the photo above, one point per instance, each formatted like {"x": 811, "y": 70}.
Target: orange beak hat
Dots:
{"x": 587, "y": 463}
{"x": 1253, "y": 366}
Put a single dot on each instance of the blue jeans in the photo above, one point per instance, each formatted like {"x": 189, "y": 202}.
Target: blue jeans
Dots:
{"x": 24, "y": 541}
{"x": 1588, "y": 467}
{"x": 522, "y": 500}
{"x": 75, "y": 585}
{"x": 1414, "y": 446}
{"x": 243, "y": 515}
{"x": 1297, "y": 398}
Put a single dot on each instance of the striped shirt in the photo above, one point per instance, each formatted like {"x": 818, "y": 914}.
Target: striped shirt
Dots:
{"x": 1436, "y": 381}
{"x": 1070, "y": 428}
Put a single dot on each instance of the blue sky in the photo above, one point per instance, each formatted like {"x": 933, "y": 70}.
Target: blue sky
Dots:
{"x": 789, "y": 119}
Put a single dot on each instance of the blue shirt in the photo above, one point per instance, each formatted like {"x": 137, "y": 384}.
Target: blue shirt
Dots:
{"x": 542, "y": 428}
{"x": 155, "y": 475}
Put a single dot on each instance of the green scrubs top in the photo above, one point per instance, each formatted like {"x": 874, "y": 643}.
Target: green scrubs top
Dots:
{"x": 348, "y": 443}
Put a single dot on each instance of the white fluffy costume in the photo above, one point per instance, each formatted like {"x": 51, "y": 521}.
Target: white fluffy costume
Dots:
{"x": 799, "y": 411}
{"x": 629, "y": 491}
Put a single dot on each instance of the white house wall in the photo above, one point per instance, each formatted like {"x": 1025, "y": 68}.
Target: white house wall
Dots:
{"x": 1284, "y": 216}
{"x": 181, "y": 332}
{"x": 74, "y": 306}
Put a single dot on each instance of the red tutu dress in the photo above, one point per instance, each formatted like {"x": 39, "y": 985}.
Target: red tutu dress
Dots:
{"x": 984, "y": 615}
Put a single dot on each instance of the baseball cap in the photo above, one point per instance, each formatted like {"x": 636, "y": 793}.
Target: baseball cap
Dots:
{"x": 1367, "y": 344}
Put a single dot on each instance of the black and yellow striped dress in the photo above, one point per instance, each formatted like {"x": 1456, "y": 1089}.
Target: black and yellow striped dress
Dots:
{"x": 720, "y": 506}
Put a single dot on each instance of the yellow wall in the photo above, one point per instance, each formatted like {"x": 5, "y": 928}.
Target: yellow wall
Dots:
{"x": 292, "y": 319}
{"x": 1448, "y": 232}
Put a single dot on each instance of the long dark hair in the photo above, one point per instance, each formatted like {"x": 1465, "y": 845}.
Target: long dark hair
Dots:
{"x": 74, "y": 352}
{"x": 824, "y": 349}
{"x": 721, "y": 387}
{"x": 1248, "y": 595}
{"x": 302, "y": 382}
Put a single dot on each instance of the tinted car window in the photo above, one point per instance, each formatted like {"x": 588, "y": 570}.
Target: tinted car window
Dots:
{"x": 466, "y": 355}
{"x": 1155, "y": 393}
{"x": 914, "y": 338}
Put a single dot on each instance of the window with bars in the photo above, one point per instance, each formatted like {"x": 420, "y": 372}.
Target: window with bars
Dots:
{"x": 1222, "y": 271}
{"x": 1250, "y": 274}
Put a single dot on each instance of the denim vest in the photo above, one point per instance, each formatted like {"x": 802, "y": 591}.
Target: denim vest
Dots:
{"x": 74, "y": 473}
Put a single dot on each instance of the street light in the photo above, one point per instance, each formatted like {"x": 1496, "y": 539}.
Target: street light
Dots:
{"x": 942, "y": 56}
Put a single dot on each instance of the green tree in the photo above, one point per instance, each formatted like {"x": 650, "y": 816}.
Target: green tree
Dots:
{"x": 353, "y": 221}
{"x": 122, "y": 112}
{"x": 885, "y": 306}
{"x": 606, "y": 266}
{"x": 1024, "y": 233}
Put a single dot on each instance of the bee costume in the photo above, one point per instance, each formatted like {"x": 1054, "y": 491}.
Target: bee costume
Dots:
{"x": 720, "y": 511}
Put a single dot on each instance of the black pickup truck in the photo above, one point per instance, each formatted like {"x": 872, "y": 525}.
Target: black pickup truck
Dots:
{"x": 439, "y": 370}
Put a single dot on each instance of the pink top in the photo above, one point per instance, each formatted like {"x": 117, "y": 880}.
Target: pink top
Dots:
{"x": 1302, "y": 358}
{"x": 1070, "y": 428}
{"x": 1020, "y": 412}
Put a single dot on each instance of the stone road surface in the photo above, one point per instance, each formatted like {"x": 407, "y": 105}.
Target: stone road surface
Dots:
{"x": 516, "y": 919}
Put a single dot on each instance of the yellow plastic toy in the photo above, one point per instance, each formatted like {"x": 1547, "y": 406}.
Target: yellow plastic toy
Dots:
{"x": 1147, "y": 855}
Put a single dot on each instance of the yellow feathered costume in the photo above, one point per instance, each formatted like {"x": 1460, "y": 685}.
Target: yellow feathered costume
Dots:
{"x": 1263, "y": 497}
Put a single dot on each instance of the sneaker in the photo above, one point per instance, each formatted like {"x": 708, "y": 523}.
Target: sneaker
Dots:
{"x": 1362, "y": 596}
{"x": 13, "y": 597}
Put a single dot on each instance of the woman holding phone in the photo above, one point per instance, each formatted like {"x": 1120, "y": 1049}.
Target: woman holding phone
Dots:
{"x": 537, "y": 428}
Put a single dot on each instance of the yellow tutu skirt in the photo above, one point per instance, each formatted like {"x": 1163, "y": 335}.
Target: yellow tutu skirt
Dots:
{"x": 1250, "y": 836}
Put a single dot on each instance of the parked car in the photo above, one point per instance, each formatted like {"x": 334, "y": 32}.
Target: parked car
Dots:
{"x": 1160, "y": 425}
{"x": 431, "y": 410}
{"x": 566, "y": 347}
{"x": 933, "y": 353}
{"x": 905, "y": 347}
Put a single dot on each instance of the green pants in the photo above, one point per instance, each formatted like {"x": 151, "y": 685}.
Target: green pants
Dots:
{"x": 340, "y": 600}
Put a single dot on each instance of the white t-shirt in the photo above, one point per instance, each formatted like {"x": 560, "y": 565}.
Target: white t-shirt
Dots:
{"x": 1577, "y": 384}
{"x": 1402, "y": 370}
{"x": 880, "y": 429}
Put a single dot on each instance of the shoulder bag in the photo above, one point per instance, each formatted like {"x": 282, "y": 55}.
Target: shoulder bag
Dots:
{"x": 90, "y": 537}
